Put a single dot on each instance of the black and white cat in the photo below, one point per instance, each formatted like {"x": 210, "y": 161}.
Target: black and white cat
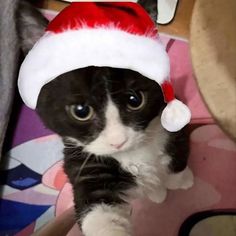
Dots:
{"x": 115, "y": 147}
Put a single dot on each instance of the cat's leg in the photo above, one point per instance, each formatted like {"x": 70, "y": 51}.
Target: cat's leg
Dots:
{"x": 106, "y": 220}
{"x": 179, "y": 176}
{"x": 181, "y": 180}
{"x": 101, "y": 193}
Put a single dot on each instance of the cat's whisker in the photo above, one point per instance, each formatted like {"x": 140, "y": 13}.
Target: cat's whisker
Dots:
{"x": 70, "y": 145}
{"x": 82, "y": 166}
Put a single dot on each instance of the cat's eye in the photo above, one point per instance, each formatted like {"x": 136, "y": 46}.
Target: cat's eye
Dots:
{"x": 135, "y": 100}
{"x": 81, "y": 112}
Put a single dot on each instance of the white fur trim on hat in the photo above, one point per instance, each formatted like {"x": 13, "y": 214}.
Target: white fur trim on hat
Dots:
{"x": 175, "y": 116}
{"x": 55, "y": 54}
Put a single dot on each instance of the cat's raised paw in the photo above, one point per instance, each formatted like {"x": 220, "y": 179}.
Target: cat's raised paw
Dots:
{"x": 188, "y": 179}
{"x": 158, "y": 196}
{"x": 182, "y": 180}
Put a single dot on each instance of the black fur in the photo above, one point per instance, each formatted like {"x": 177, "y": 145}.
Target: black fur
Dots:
{"x": 92, "y": 85}
{"x": 177, "y": 147}
{"x": 95, "y": 180}
{"x": 84, "y": 85}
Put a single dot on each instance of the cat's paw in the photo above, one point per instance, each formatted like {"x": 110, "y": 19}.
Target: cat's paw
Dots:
{"x": 158, "y": 196}
{"x": 105, "y": 220}
{"x": 182, "y": 180}
{"x": 188, "y": 179}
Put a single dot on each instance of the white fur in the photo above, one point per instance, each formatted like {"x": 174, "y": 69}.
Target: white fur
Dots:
{"x": 175, "y": 116}
{"x": 114, "y": 133}
{"x": 104, "y": 220}
{"x": 55, "y": 54}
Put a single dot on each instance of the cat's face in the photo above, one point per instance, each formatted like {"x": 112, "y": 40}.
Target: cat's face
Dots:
{"x": 105, "y": 110}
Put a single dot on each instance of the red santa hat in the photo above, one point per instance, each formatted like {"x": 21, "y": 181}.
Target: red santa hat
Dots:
{"x": 113, "y": 34}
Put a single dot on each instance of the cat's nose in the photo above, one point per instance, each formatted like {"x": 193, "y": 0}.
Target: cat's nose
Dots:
{"x": 119, "y": 145}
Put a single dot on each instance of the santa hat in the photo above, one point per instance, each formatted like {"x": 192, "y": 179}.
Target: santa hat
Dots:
{"x": 113, "y": 34}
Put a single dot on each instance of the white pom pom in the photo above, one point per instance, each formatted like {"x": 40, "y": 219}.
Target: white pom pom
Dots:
{"x": 175, "y": 116}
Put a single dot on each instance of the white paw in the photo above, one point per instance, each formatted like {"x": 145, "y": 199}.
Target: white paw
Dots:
{"x": 182, "y": 180}
{"x": 158, "y": 196}
{"x": 187, "y": 179}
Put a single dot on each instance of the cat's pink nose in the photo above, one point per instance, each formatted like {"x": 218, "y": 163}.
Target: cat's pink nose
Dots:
{"x": 119, "y": 145}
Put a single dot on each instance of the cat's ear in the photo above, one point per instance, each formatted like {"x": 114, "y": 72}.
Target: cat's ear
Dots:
{"x": 151, "y": 7}
{"x": 31, "y": 25}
